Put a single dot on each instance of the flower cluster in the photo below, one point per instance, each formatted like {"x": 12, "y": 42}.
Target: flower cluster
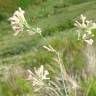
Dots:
{"x": 18, "y": 21}
{"x": 38, "y": 77}
{"x": 85, "y": 28}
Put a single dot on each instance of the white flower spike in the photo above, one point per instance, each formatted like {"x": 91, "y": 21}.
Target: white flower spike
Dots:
{"x": 18, "y": 21}
{"x": 38, "y": 77}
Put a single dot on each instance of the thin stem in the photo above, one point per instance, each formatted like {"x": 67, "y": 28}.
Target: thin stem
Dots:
{"x": 62, "y": 68}
{"x": 46, "y": 40}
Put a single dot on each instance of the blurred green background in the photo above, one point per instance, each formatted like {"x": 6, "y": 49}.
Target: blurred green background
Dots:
{"x": 56, "y": 19}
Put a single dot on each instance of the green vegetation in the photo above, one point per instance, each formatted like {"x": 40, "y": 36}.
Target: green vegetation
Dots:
{"x": 56, "y": 19}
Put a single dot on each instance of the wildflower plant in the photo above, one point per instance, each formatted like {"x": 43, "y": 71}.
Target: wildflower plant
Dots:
{"x": 84, "y": 29}
{"x": 42, "y": 82}
{"x": 19, "y": 23}
{"x": 85, "y": 32}
{"x": 39, "y": 77}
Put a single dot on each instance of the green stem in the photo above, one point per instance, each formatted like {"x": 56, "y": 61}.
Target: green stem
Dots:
{"x": 63, "y": 71}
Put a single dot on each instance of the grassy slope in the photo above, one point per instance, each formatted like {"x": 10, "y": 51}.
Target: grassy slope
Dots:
{"x": 13, "y": 49}
{"x": 54, "y": 18}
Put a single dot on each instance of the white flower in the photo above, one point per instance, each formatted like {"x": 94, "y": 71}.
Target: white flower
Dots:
{"x": 81, "y": 24}
{"x": 90, "y": 41}
{"x": 38, "y": 30}
{"x": 41, "y": 73}
{"x": 39, "y": 77}
{"x": 85, "y": 28}
{"x": 18, "y": 21}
